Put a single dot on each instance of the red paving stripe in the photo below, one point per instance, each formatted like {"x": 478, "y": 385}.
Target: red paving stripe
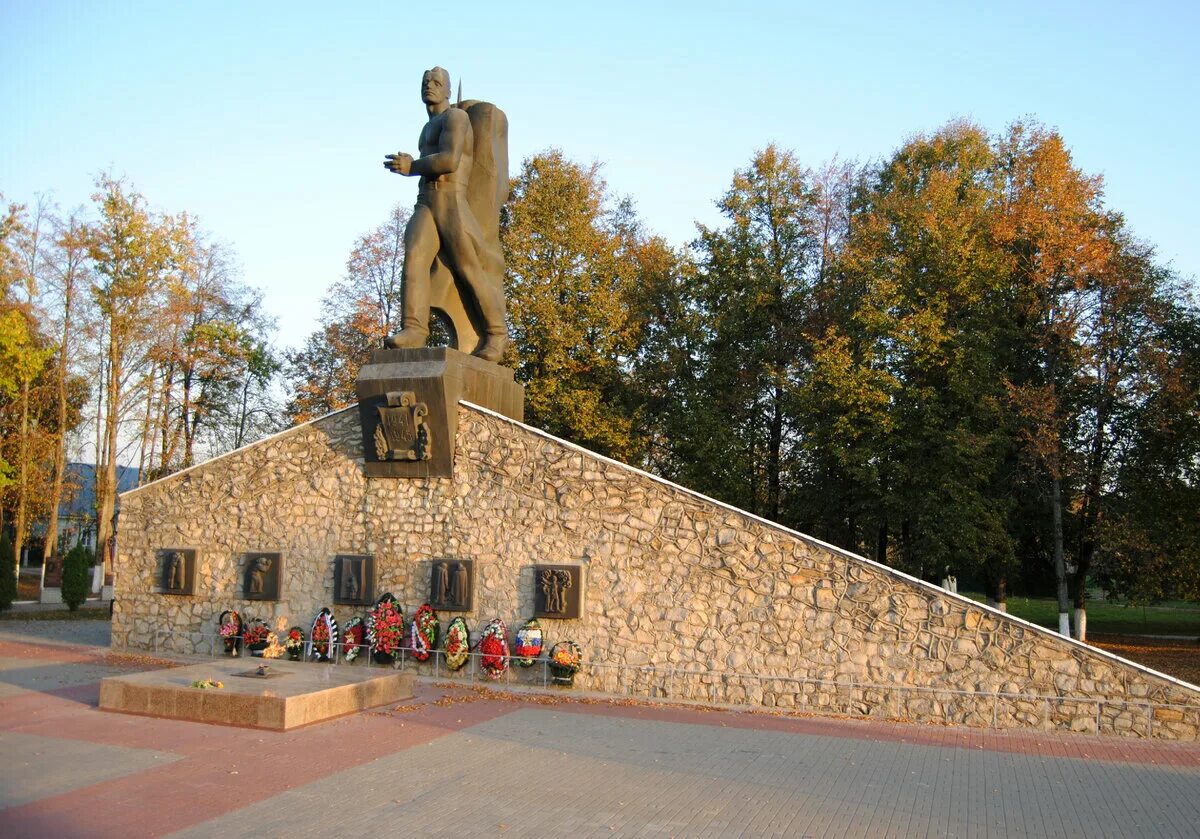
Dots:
{"x": 52, "y": 653}
{"x": 19, "y": 710}
{"x": 224, "y": 769}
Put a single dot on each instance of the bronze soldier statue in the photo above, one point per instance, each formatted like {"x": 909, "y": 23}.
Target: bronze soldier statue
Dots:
{"x": 452, "y": 256}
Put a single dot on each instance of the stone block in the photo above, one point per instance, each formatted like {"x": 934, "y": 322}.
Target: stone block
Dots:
{"x": 439, "y": 378}
{"x": 295, "y": 694}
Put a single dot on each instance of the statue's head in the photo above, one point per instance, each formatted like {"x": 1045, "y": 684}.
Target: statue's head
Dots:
{"x": 435, "y": 86}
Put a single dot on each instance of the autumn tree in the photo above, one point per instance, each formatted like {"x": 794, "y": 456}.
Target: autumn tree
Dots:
{"x": 357, "y": 313}
{"x": 27, "y": 352}
{"x": 133, "y": 253}
{"x": 69, "y": 274}
{"x": 1053, "y": 226}
{"x": 211, "y": 362}
{"x": 39, "y": 396}
{"x": 24, "y": 353}
{"x": 576, "y": 257}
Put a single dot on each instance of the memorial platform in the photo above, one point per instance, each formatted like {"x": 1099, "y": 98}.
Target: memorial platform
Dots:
{"x": 292, "y": 695}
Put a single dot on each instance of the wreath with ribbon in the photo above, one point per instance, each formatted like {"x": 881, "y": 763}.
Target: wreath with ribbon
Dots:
{"x": 527, "y": 643}
{"x": 385, "y": 628}
{"x": 493, "y": 648}
{"x": 352, "y": 639}
{"x": 323, "y": 636}
{"x": 458, "y": 644}
{"x": 425, "y": 631}
{"x": 229, "y": 627}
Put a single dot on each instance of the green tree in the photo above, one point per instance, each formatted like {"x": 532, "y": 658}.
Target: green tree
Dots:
{"x": 76, "y": 566}
{"x": 934, "y": 280}
{"x": 754, "y": 288}
{"x": 1146, "y": 542}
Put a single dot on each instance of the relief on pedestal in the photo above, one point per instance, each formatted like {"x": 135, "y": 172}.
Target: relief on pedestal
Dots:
{"x": 402, "y": 433}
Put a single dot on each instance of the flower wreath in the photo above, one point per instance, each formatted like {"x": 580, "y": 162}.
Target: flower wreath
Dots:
{"x": 352, "y": 640}
{"x": 493, "y": 644}
{"x": 323, "y": 636}
{"x": 527, "y": 644}
{"x": 458, "y": 644}
{"x": 294, "y": 643}
{"x": 385, "y": 627}
{"x": 565, "y": 658}
{"x": 229, "y": 626}
{"x": 425, "y": 631}
{"x": 256, "y": 635}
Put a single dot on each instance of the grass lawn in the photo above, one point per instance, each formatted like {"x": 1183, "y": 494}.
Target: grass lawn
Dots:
{"x": 1173, "y": 618}
{"x": 1180, "y": 659}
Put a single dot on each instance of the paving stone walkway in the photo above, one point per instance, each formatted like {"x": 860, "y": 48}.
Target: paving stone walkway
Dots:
{"x": 460, "y": 763}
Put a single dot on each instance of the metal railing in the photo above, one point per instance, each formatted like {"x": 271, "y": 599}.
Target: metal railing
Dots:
{"x": 736, "y": 690}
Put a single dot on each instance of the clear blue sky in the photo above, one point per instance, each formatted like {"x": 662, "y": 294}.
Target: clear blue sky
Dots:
{"x": 269, "y": 121}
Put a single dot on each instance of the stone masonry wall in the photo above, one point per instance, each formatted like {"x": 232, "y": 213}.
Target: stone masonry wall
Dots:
{"x": 684, "y": 597}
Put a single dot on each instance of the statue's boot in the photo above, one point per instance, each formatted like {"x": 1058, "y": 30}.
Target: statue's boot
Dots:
{"x": 492, "y": 348}
{"x": 409, "y": 337}
{"x": 490, "y": 298}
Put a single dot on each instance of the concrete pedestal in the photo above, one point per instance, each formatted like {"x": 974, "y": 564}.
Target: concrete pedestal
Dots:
{"x": 425, "y": 387}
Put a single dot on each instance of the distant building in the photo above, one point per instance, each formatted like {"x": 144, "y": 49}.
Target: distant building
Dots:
{"x": 77, "y": 514}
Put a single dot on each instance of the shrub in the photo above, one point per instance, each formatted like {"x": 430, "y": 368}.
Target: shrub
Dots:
{"x": 75, "y": 577}
{"x": 8, "y": 572}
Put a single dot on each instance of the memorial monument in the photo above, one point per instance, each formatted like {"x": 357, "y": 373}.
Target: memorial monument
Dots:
{"x": 434, "y": 492}
{"x": 453, "y": 269}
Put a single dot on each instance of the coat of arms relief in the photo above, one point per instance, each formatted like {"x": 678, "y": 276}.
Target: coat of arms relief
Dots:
{"x": 402, "y": 433}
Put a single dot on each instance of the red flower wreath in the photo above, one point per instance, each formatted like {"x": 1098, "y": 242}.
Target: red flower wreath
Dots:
{"x": 493, "y": 644}
{"x": 385, "y": 626}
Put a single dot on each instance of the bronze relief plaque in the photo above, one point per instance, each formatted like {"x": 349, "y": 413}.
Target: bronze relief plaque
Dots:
{"x": 558, "y": 591}
{"x": 177, "y": 571}
{"x": 452, "y": 584}
{"x": 354, "y": 580}
{"x": 261, "y": 575}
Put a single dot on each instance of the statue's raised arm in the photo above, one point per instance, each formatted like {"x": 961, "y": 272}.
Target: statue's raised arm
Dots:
{"x": 452, "y": 257}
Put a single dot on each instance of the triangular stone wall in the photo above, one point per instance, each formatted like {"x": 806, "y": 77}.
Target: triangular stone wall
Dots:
{"x": 685, "y": 597}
